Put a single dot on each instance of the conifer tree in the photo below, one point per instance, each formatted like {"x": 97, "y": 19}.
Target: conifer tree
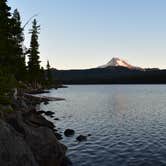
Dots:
{"x": 33, "y": 54}
{"x": 11, "y": 38}
{"x": 49, "y": 76}
{"x": 18, "y": 36}
{"x": 7, "y": 60}
{"x": 48, "y": 65}
{"x": 6, "y": 40}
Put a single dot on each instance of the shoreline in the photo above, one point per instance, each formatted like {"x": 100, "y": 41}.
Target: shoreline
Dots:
{"x": 43, "y": 98}
{"x": 38, "y": 143}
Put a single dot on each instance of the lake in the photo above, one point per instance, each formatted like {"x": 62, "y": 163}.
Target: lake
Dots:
{"x": 127, "y": 123}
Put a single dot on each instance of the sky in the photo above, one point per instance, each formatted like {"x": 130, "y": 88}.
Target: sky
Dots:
{"x": 78, "y": 34}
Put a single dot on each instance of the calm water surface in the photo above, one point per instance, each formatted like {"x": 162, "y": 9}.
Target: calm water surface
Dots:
{"x": 127, "y": 124}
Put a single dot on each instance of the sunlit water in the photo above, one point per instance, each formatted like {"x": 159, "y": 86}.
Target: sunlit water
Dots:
{"x": 127, "y": 124}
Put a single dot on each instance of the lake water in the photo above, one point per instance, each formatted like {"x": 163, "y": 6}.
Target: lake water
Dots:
{"x": 127, "y": 124}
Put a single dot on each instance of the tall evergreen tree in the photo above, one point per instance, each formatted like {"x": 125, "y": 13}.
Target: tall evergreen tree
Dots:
{"x": 6, "y": 40}
{"x": 48, "y": 65}
{"x": 18, "y": 36}
{"x": 7, "y": 59}
{"x": 33, "y": 54}
{"x": 49, "y": 75}
{"x": 11, "y": 38}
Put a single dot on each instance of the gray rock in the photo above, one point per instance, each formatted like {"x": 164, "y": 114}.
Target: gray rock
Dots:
{"x": 49, "y": 113}
{"x": 56, "y": 119}
{"x": 69, "y": 132}
{"x": 41, "y": 112}
{"x": 58, "y": 136}
{"x": 41, "y": 139}
{"x": 46, "y": 102}
{"x": 81, "y": 138}
{"x": 14, "y": 151}
{"x": 37, "y": 120}
{"x": 45, "y": 146}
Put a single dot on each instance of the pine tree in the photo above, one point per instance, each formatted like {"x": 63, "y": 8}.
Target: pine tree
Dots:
{"x": 7, "y": 60}
{"x": 18, "y": 37}
{"x": 11, "y": 38}
{"x": 6, "y": 40}
{"x": 49, "y": 75}
{"x": 33, "y": 54}
{"x": 48, "y": 65}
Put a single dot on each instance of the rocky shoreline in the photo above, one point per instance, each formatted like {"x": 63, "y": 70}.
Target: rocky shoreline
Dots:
{"x": 27, "y": 138}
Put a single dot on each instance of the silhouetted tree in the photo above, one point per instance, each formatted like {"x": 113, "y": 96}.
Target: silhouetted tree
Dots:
{"x": 11, "y": 38}
{"x": 48, "y": 65}
{"x": 20, "y": 66}
{"x": 33, "y": 54}
{"x": 42, "y": 76}
{"x": 49, "y": 74}
{"x": 7, "y": 56}
{"x": 6, "y": 38}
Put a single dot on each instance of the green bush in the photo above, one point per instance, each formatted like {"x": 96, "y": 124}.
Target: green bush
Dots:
{"x": 5, "y": 100}
{"x": 7, "y": 82}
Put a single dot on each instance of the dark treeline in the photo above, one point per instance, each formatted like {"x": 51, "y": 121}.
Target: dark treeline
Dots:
{"x": 13, "y": 69}
{"x": 114, "y": 75}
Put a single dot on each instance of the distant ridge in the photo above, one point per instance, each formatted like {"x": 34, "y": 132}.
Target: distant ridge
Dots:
{"x": 116, "y": 71}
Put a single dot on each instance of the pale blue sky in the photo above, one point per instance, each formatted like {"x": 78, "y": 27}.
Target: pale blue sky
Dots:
{"x": 88, "y": 33}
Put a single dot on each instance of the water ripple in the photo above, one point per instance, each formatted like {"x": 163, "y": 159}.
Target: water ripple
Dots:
{"x": 127, "y": 124}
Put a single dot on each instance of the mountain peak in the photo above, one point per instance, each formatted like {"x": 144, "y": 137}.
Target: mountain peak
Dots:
{"x": 116, "y": 62}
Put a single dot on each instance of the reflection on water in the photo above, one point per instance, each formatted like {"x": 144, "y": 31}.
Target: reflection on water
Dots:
{"x": 127, "y": 123}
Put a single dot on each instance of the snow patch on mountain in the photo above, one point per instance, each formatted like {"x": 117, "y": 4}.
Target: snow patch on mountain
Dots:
{"x": 115, "y": 62}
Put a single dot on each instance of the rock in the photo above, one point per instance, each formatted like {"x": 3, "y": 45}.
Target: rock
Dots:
{"x": 13, "y": 148}
{"x": 6, "y": 108}
{"x": 69, "y": 132}
{"x": 27, "y": 138}
{"x": 13, "y": 121}
{"x": 24, "y": 105}
{"x": 40, "y": 139}
{"x": 45, "y": 146}
{"x": 81, "y": 138}
{"x": 35, "y": 119}
{"x": 60, "y": 86}
{"x": 55, "y": 130}
{"x": 49, "y": 113}
{"x": 58, "y": 136}
{"x": 41, "y": 112}
{"x": 39, "y": 99}
{"x": 56, "y": 119}
{"x": 66, "y": 162}
{"x": 39, "y": 91}
{"x": 15, "y": 104}
{"x": 46, "y": 102}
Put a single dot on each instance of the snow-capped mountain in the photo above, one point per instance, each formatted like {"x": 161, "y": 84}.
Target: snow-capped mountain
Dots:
{"x": 115, "y": 62}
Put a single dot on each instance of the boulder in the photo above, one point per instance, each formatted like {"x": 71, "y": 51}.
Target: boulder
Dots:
{"x": 35, "y": 119}
{"x": 45, "y": 146}
{"x": 46, "y": 102}
{"x": 56, "y": 119}
{"x": 69, "y": 132}
{"x": 41, "y": 112}
{"x": 49, "y": 113}
{"x": 13, "y": 148}
{"x": 81, "y": 138}
{"x": 39, "y": 137}
{"x": 58, "y": 136}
